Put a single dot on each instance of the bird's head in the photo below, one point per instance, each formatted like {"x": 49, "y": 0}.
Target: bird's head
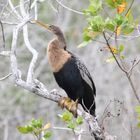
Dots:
{"x": 52, "y": 28}
{"x": 55, "y": 30}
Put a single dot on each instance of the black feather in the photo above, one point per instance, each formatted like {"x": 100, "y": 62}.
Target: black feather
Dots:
{"x": 76, "y": 80}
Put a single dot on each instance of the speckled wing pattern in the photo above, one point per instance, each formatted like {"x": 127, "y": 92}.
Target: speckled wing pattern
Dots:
{"x": 85, "y": 74}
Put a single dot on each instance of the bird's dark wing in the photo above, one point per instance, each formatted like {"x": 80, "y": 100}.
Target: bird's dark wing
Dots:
{"x": 85, "y": 74}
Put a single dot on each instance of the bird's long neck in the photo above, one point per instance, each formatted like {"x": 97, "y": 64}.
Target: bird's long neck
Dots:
{"x": 61, "y": 40}
{"x": 57, "y": 56}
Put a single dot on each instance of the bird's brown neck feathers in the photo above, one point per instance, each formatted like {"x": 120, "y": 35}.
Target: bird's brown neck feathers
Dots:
{"x": 60, "y": 37}
{"x": 57, "y": 55}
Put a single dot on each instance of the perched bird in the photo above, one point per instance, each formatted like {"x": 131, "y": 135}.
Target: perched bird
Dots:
{"x": 69, "y": 72}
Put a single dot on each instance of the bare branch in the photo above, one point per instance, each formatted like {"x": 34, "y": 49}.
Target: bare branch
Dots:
{"x": 122, "y": 68}
{"x": 113, "y": 53}
{"x": 5, "y": 53}
{"x": 34, "y": 53}
{"x": 72, "y": 10}
{"x": 33, "y": 4}
{"x": 22, "y": 10}
{"x": 130, "y": 7}
{"x": 9, "y": 23}
{"x": 135, "y": 63}
{"x": 14, "y": 10}
{"x": 28, "y": 45}
{"x": 5, "y": 137}
{"x": 5, "y": 77}
{"x": 3, "y": 36}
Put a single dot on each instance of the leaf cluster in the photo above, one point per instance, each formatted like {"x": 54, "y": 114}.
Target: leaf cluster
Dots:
{"x": 137, "y": 109}
{"x": 100, "y": 20}
{"x": 70, "y": 121}
{"x": 35, "y": 127}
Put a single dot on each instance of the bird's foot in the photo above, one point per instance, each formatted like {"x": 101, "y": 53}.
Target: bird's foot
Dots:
{"x": 69, "y": 104}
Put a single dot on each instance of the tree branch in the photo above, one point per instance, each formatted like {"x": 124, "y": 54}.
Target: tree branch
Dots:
{"x": 127, "y": 73}
{"x": 75, "y": 11}
{"x": 5, "y": 77}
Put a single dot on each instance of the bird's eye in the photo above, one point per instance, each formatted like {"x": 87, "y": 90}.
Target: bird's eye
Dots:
{"x": 50, "y": 26}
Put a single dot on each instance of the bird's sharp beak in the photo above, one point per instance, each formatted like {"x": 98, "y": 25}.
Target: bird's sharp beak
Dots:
{"x": 46, "y": 26}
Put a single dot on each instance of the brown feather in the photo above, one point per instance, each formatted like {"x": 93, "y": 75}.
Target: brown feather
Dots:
{"x": 57, "y": 56}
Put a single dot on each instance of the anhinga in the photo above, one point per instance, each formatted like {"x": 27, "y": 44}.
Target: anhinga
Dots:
{"x": 70, "y": 73}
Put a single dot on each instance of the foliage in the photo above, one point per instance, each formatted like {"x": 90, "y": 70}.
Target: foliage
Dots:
{"x": 137, "y": 109}
{"x": 109, "y": 16}
{"x": 36, "y": 128}
{"x": 112, "y": 20}
{"x": 70, "y": 121}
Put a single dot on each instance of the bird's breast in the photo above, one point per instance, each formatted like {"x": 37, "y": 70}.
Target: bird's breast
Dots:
{"x": 57, "y": 57}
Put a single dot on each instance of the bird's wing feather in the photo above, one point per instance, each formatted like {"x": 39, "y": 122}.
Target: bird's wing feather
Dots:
{"x": 85, "y": 74}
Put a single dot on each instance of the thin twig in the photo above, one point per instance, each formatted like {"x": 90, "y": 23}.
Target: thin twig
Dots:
{"x": 3, "y": 8}
{"x": 5, "y": 53}
{"x": 130, "y": 7}
{"x": 113, "y": 53}
{"x": 133, "y": 66}
{"x": 3, "y": 36}
{"x": 11, "y": 10}
{"x": 6, "y": 130}
{"x": 72, "y": 10}
{"x": 125, "y": 38}
{"x": 122, "y": 68}
{"x": 22, "y": 9}
{"x": 132, "y": 85}
{"x": 5, "y": 77}
{"x": 54, "y": 9}
{"x": 33, "y": 4}
{"x": 36, "y": 11}
{"x": 14, "y": 10}
{"x": 9, "y": 23}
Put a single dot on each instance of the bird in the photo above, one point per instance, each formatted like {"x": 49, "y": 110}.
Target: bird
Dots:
{"x": 70, "y": 73}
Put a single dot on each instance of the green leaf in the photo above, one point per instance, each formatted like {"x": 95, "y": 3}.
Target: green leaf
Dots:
{"x": 86, "y": 38}
{"x": 94, "y": 7}
{"x": 37, "y": 123}
{"x": 111, "y": 3}
{"x": 114, "y": 4}
{"x": 79, "y": 120}
{"x": 119, "y": 19}
{"x": 128, "y": 29}
{"x": 138, "y": 118}
{"x": 110, "y": 24}
{"x": 122, "y": 57}
{"x": 25, "y": 129}
{"x": 121, "y": 48}
{"x": 110, "y": 59}
{"x": 130, "y": 17}
{"x": 48, "y": 134}
{"x": 137, "y": 109}
{"x": 67, "y": 116}
{"x": 138, "y": 125}
{"x": 71, "y": 125}
{"x": 97, "y": 23}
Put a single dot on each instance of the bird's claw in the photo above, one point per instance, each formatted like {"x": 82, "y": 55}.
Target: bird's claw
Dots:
{"x": 69, "y": 104}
